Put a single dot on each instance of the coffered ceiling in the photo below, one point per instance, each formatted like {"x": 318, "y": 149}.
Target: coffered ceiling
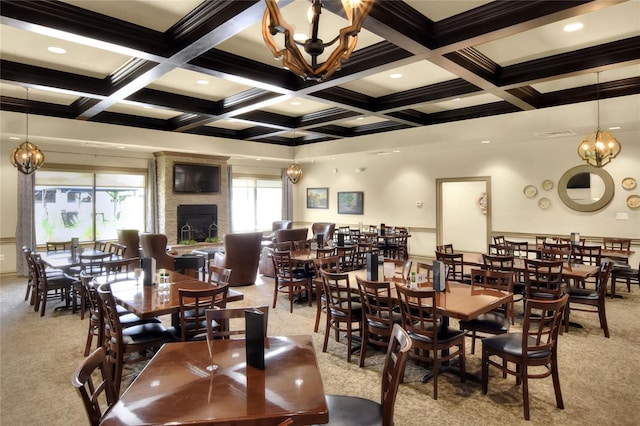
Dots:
{"x": 203, "y": 68}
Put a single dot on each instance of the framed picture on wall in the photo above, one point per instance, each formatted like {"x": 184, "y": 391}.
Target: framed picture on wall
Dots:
{"x": 317, "y": 198}
{"x": 351, "y": 202}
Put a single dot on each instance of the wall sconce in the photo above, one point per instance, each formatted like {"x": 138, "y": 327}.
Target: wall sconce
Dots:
{"x": 293, "y": 60}
{"x": 27, "y": 158}
{"x": 294, "y": 173}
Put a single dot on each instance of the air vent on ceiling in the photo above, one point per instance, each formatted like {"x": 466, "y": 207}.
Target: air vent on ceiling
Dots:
{"x": 556, "y": 134}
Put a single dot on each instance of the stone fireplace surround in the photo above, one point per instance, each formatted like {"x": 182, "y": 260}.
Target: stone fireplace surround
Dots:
{"x": 168, "y": 201}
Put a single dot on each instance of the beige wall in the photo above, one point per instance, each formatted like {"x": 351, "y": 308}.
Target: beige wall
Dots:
{"x": 392, "y": 183}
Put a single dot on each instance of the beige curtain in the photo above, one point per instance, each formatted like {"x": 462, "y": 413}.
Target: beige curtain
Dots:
{"x": 287, "y": 197}
{"x": 25, "y": 227}
{"x": 152, "y": 198}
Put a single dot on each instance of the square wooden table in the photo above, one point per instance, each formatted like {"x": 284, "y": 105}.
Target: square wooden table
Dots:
{"x": 176, "y": 388}
{"x": 151, "y": 301}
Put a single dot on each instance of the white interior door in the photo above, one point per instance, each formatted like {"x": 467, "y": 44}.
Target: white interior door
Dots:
{"x": 464, "y": 213}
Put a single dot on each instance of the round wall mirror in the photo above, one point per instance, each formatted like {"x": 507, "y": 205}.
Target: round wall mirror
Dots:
{"x": 586, "y": 188}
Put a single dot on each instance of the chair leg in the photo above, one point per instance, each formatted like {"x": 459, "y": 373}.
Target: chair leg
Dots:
{"x": 275, "y": 294}
{"x": 290, "y": 298}
{"x": 473, "y": 342}
{"x": 363, "y": 346}
{"x": 318, "y": 309}
{"x": 603, "y": 319}
{"x": 556, "y": 383}
{"x": 463, "y": 372}
{"x": 327, "y": 330}
{"x": 525, "y": 391}
{"x": 87, "y": 347}
{"x": 43, "y": 303}
{"x": 566, "y": 317}
{"x": 485, "y": 371}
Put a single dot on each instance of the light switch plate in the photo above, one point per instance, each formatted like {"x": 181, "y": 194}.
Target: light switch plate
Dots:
{"x": 622, "y": 216}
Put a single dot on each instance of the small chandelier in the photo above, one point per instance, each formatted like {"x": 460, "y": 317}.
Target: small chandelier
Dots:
{"x": 292, "y": 59}
{"x": 599, "y": 148}
{"x": 27, "y": 158}
{"x": 294, "y": 173}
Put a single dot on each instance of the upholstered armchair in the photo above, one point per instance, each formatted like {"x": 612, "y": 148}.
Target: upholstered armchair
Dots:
{"x": 130, "y": 238}
{"x": 325, "y": 228}
{"x": 241, "y": 255}
{"x": 297, "y": 234}
{"x": 155, "y": 245}
{"x": 278, "y": 224}
{"x": 279, "y": 236}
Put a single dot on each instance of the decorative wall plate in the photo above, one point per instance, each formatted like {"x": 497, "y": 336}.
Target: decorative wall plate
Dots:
{"x": 633, "y": 202}
{"x": 544, "y": 203}
{"x": 530, "y": 191}
{"x": 629, "y": 183}
{"x": 547, "y": 185}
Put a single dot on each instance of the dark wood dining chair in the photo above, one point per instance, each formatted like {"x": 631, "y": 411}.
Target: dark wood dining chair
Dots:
{"x": 543, "y": 279}
{"x": 99, "y": 393}
{"x": 58, "y": 245}
{"x": 96, "y": 317}
{"x": 445, "y": 248}
{"x": 426, "y": 269}
{"x": 535, "y": 346}
{"x": 498, "y": 320}
{"x": 330, "y": 264}
{"x": 193, "y": 307}
{"x": 519, "y": 249}
{"x": 343, "y": 309}
{"x": 591, "y": 300}
{"x": 628, "y": 275}
{"x": 101, "y": 245}
{"x": 379, "y": 316}
{"x": 119, "y": 341}
{"x": 355, "y": 411}
{"x": 120, "y": 269}
{"x": 617, "y": 244}
{"x": 504, "y": 263}
{"x": 49, "y": 287}
{"x": 287, "y": 280}
{"x": 432, "y": 342}
{"x": 219, "y": 276}
{"x": 455, "y": 263}
{"x": 32, "y": 278}
{"x": 219, "y": 321}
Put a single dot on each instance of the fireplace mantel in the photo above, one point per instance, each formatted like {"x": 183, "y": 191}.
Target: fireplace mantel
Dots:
{"x": 168, "y": 200}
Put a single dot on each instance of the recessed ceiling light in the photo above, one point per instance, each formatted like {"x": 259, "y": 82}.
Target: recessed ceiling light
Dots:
{"x": 258, "y": 159}
{"x": 296, "y": 103}
{"x": 395, "y": 75}
{"x": 396, "y": 150}
{"x": 360, "y": 118}
{"x": 455, "y": 100}
{"x": 14, "y": 138}
{"x": 55, "y": 49}
{"x": 120, "y": 147}
{"x": 576, "y": 26}
{"x": 485, "y": 141}
{"x": 615, "y": 128}
{"x": 202, "y": 82}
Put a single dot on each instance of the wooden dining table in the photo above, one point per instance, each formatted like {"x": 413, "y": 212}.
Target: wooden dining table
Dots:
{"x": 176, "y": 388}
{"x": 65, "y": 259}
{"x": 153, "y": 300}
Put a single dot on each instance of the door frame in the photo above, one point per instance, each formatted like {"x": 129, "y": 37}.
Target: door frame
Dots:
{"x": 439, "y": 218}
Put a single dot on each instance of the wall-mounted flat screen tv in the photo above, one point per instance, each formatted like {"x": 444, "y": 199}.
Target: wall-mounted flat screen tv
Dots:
{"x": 196, "y": 178}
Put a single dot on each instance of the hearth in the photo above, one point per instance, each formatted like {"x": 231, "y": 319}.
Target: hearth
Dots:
{"x": 201, "y": 219}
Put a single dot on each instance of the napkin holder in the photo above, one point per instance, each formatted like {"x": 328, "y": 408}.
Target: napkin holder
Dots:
{"x": 372, "y": 267}
{"x": 575, "y": 238}
{"x": 254, "y": 320}
{"x": 320, "y": 240}
{"x": 382, "y": 230}
{"x": 74, "y": 247}
{"x": 148, "y": 265}
{"x": 340, "y": 239}
{"x": 439, "y": 276}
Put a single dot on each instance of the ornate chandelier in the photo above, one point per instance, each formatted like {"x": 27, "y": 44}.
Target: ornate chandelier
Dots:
{"x": 293, "y": 60}
{"x": 294, "y": 173}
{"x": 599, "y": 148}
{"x": 27, "y": 158}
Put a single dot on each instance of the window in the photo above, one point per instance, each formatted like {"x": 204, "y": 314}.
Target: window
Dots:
{"x": 256, "y": 203}
{"x": 88, "y": 206}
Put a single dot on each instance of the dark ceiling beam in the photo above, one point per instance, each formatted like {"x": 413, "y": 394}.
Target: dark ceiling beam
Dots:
{"x": 218, "y": 27}
{"x": 77, "y": 25}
